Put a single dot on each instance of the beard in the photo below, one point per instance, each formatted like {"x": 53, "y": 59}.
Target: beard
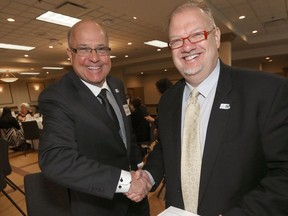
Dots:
{"x": 192, "y": 71}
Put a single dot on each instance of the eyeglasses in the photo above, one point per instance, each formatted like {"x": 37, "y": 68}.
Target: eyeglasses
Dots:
{"x": 86, "y": 51}
{"x": 193, "y": 38}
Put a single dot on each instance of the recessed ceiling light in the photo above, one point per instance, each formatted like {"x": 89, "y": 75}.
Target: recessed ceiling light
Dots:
{"x": 267, "y": 58}
{"x": 112, "y": 56}
{"x": 254, "y": 32}
{"x": 52, "y": 68}
{"x": 26, "y": 55}
{"x": 10, "y": 20}
{"x": 58, "y": 18}
{"x": 29, "y": 73}
{"x": 158, "y": 50}
{"x": 50, "y": 47}
{"x": 129, "y": 43}
{"x": 156, "y": 43}
{"x": 15, "y": 47}
{"x": 241, "y": 17}
{"x": 134, "y": 17}
{"x": 126, "y": 56}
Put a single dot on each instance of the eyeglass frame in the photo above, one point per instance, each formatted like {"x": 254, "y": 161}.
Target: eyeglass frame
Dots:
{"x": 107, "y": 49}
{"x": 205, "y": 33}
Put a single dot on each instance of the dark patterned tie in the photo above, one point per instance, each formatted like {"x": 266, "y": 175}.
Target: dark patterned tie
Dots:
{"x": 109, "y": 109}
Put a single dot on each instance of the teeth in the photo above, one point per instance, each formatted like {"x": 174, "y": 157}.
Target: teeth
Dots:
{"x": 190, "y": 57}
{"x": 93, "y": 68}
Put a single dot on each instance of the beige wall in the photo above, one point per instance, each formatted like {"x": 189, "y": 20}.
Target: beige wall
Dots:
{"x": 20, "y": 93}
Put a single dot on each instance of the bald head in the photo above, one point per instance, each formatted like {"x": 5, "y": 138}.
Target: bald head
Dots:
{"x": 84, "y": 26}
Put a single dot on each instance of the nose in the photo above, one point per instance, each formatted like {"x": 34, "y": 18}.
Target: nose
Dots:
{"x": 93, "y": 56}
{"x": 187, "y": 45}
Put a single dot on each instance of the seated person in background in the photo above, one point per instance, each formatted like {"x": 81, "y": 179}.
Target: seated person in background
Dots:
{"x": 10, "y": 129}
{"x": 25, "y": 113}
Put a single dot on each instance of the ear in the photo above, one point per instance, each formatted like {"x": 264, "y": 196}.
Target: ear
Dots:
{"x": 69, "y": 53}
{"x": 217, "y": 36}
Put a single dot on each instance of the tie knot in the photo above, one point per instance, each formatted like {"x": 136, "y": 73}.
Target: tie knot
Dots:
{"x": 103, "y": 93}
{"x": 194, "y": 96}
{"x": 194, "y": 93}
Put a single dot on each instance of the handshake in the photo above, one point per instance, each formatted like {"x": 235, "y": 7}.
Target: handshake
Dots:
{"x": 140, "y": 186}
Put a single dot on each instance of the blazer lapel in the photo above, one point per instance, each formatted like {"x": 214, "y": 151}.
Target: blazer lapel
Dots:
{"x": 220, "y": 113}
{"x": 119, "y": 96}
{"x": 92, "y": 104}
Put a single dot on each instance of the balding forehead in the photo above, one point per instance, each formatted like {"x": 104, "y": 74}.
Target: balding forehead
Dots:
{"x": 84, "y": 24}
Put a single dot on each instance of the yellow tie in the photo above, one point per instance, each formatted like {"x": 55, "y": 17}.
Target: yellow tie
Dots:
{"x": 191, "y": 154}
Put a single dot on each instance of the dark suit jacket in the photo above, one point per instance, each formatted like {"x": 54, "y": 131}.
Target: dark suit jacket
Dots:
{"x": 81, "y": 148}
{"x": 245, "y": 159}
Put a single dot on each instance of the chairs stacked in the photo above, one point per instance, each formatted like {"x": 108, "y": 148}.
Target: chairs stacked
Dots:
{"x": 5, "y": 170}
{"x": 44, "y": 197}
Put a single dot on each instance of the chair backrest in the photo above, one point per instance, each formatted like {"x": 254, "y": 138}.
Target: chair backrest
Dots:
{"x": 5, "y": 166}
{"x": 2, "y": 161}
{"x": 31, "y": 130}
{"x": 44, "y": 197}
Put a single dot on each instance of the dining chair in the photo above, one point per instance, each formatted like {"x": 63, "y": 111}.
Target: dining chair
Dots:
{"x": 31, "y": 131}
{"x": 44, "y": 197}
{"x": 5, "y": 170}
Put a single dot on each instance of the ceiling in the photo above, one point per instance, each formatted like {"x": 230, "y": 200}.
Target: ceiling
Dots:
{"x": 249, "y": 50}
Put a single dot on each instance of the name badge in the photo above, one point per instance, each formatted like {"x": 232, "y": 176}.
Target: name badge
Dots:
{"x": 224, "y": 106}
{"x": 126, "y": 109}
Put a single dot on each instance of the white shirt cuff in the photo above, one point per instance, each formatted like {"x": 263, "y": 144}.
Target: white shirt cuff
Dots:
{"x": 124, "y": 182}
{"x": 150, "y": 177}
{"x": 140, "y": 165}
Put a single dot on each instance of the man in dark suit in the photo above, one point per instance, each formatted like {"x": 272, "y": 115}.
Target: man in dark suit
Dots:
{"x": 84, "y": 148}
{"x": 243, "y": 126}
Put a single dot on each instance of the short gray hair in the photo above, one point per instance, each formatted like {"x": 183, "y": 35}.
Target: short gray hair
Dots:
{"x": 201, "y": 4}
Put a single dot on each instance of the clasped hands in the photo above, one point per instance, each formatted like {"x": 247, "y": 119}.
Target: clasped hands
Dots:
{"x": 140, "y": 186}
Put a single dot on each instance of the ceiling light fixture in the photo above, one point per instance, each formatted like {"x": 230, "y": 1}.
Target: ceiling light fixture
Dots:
{"x": 15, "y": 47}
{"x": 58, "y": 19}
{"x": 52, "y": 68}
{"x": 30, "y": 73}
{"x": 8, "y": 77}
{"x": 10, "y": 20}
{"x": 156, "y": 43}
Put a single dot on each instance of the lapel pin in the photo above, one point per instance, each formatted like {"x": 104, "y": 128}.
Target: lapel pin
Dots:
{"x": 224, "y": 106}
{"x": 117, "y": 90}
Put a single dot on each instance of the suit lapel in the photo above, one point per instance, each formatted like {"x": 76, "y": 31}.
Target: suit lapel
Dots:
{"x": 118, "y": 94}
{"x": 220, "y": 113}
{"x": 92, "y": 104}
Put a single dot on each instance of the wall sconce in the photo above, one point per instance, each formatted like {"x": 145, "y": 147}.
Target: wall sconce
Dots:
{"x": 8, "y": 77}
{"x": 36, "y": 87}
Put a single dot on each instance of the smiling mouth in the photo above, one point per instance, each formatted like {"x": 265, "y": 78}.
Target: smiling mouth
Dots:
{"x": 190, "y": 57}
{"x": 93, "y": 68}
